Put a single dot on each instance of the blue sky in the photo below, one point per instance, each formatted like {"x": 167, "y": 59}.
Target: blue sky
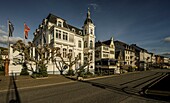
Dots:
{"x": 143, "y": 22}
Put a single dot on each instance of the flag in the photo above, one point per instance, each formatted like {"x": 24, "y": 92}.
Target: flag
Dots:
{"x": 26, "y": 30}
{"x": 11, "y": 28}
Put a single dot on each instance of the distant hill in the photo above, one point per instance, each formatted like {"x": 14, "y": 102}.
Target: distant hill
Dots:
{"x": 166, "y": 55}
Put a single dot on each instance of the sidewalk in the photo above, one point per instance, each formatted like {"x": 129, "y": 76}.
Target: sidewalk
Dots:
{"x": 28, "y": 82}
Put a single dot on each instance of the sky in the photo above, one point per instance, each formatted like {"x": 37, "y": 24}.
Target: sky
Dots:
{"x": 142, "y": 22}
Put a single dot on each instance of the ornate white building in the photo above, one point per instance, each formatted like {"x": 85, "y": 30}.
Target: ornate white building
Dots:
{"x": 56, "y": 32}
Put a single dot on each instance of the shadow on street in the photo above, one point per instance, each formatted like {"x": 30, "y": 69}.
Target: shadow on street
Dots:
{"x": 12, "y": 94}
{"x": 132, "y": 90}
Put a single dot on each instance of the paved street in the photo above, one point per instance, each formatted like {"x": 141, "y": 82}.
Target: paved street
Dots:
{"x": 125, "y": 88}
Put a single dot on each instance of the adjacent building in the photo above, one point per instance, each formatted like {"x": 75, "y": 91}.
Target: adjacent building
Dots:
{"x": 105, "y": 57}
{"x": 143, "y": 57}
{"x": 127, "y": 52}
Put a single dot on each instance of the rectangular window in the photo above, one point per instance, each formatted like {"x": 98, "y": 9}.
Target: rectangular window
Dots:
{"x": 64, "y": 53}
{"x": 111, "y": 52}
{"x": 105, "y": 48}
{"x": 71, "y": 52}
{"x": 57, "y": 34}
{"x": 59, "y": 23}
{"x": 65, "y": 36}
{"x": 80, "y": 56}
{"x": 79, "y": 44}
{"x": 105, "y": 55}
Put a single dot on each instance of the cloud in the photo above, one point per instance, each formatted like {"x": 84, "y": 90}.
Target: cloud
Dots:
{"x": 167, "y": 39}
{"x": 3, "y": 32}
{"x": 4, "y": 39}
{"x": 2, "y": 26}
{"x": 94, "y": 6}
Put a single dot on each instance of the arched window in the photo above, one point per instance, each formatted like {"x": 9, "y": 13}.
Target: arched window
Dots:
{"x": 85, "y": 44}
{"x": 91, "y": 44}
{"x": 91, "y": 31}
{"x": 64, "y": 53}
{"x": 85, "y": 31}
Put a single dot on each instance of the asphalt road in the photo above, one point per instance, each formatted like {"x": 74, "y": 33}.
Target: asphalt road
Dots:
{"x": 126, "y": 88}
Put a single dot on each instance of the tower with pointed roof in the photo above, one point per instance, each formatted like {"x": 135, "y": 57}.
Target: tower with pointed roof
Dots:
{"x": 89, "y": 40}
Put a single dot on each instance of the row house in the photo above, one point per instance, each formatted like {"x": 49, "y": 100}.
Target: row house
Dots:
{"x": 143, "y": 57}
{"x": 166, "y": 60}
{"x": 105, "y": 57}
{"x": 159, "y": 59}
{"x": 127, "y": 52}
{"x": 153, "y": 59}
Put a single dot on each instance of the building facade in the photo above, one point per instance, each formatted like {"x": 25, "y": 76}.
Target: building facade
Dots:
{"x": 127, "y": 51}
{"x": 105, "y": 57}
{"x": 56, "y": 32}
{"x": 144, "y": 59}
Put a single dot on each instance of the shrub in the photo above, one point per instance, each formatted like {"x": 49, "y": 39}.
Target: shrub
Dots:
{"x": 42, "y": 71}
{"x": 1, "y": 68}
{"x": 24, "y": 70}
{"x": 70, "y": 72}
{"x": 88, "y": 73}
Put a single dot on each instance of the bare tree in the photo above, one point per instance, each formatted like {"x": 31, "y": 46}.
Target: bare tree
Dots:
{"x": 86, "y": 65}
{"x": 41, "y": 52}
{"x": 64, "y": 63}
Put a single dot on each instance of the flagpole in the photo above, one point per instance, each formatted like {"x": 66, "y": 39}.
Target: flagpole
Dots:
{"x": 24, "y": 32}
{"x": 8, "y": 38}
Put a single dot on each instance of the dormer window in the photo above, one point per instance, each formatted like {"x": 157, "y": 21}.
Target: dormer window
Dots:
{"x": 80, "y": 32}
{"x": 59, "y": 23}
{"x": 73, "y": 30}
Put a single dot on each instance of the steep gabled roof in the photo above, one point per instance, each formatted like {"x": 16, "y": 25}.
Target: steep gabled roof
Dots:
{"x": 99, "y": 43}
{"x": 52, "y": 18}
{"x": 107, "y": 42}
{"x": 77, "y": 30}
{"x": 120, "y": 42}
{"x": 138, "y": 48}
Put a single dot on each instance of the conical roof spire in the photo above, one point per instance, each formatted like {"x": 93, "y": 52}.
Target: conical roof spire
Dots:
{"x": 112, "y": 38}
{"x": 88, "y": 19}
